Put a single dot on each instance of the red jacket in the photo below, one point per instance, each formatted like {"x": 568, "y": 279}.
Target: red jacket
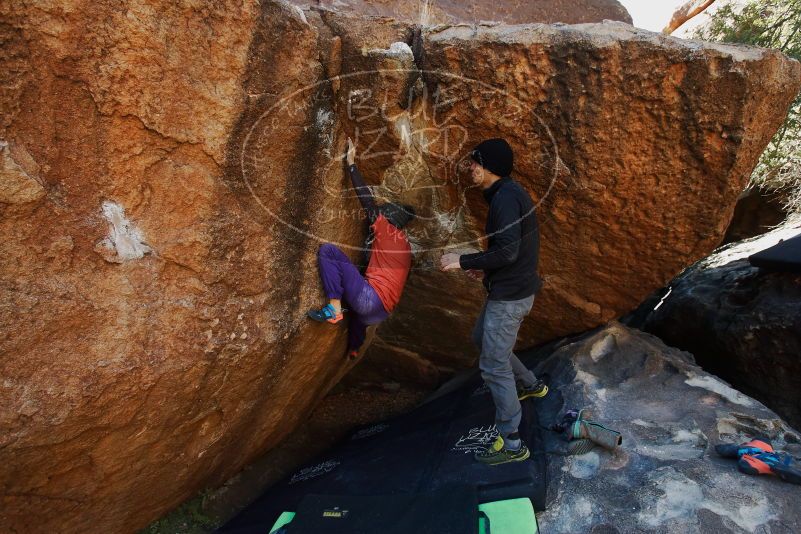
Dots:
{"x": 390, "y": 262}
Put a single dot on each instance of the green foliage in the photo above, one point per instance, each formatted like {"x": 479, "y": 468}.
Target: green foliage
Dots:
{"x": 769, "y": 24}
{"x": 189, "y": 518}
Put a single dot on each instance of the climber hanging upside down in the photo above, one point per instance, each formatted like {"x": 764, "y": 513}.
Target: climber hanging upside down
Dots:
{"x": 369, "y": 298}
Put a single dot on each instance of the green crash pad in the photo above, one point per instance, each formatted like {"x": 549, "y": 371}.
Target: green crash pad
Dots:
{"x": 513, "y": 516}
{"x": 283, "y": 519}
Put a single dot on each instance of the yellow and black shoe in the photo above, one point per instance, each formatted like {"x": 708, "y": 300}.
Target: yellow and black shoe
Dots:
{"x": 538, "y": 390}
{"x": 497, "y": 453}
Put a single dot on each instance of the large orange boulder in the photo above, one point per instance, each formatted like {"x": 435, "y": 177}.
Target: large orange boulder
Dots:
{"x": 507, "y": 11}
{"x": 154, "y": 337}
{"x": 635, "y": 147}
{"x": 169, "y": 169}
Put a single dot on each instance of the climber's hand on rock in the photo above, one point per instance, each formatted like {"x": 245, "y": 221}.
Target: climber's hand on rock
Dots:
{"x": 350, "y": 155}
{"x": 449, "y": 261}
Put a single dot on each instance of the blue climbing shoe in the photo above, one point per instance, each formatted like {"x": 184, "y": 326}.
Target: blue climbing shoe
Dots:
{"x": 326, "y": 314}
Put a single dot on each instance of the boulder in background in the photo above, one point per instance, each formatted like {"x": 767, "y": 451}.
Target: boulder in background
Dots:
{"x": 740, "y": 322}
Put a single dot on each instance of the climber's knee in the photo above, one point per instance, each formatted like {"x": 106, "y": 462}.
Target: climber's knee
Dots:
{"x": 327, "y": 249}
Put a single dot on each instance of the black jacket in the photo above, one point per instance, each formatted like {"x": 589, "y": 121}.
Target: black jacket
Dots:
{"x": 510, "y": 261}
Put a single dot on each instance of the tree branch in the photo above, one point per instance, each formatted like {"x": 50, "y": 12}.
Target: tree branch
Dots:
{"x": 685, "y": 13}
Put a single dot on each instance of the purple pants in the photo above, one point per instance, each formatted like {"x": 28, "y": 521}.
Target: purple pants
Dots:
{"x": 342, "y": 280}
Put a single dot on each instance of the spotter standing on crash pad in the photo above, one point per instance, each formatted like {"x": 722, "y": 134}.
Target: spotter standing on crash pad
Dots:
{"x": 372, "y": 297}
{"x": 511, "y": 281}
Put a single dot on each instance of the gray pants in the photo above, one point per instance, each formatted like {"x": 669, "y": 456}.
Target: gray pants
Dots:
{"x": 495, "y": 334}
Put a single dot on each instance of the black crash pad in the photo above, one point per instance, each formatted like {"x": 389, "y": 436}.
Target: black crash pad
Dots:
{"x": 428, "y": 449}
{"x": 450, "y": 511}
{"x": 784, "y": 256}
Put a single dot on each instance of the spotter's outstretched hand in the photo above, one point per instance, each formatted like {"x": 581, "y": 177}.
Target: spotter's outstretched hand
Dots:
{"x": 449, "y": 262}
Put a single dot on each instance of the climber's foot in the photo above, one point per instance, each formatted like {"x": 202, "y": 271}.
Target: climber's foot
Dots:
{"x": 326, "y": 314}
{"x": 539, "y": 390}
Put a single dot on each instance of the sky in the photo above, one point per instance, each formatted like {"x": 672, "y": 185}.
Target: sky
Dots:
{"x": 655, "y": 14}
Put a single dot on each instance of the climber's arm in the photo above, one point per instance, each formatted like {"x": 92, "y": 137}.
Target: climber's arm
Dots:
{"x": 363, "y": 192}
{"x": 505, "y": 215}
{"x": 361, "y": 188}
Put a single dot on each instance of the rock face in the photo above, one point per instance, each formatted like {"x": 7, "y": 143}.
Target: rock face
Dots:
{"x": 623, "y": 137}
{"x": 667, "y": 476}
{"x": 153, "y": 331}
{"x": 507, "y": 11}
{"x": 18, "y": 186}
{"x": 169, "y": 170}
{"x": 741, "y": 323}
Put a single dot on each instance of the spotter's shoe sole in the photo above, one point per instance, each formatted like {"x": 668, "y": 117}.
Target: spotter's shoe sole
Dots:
{"x": 523, "y": 394}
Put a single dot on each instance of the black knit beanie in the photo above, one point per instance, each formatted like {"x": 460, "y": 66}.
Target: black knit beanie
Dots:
{"x": 495, "y": 155}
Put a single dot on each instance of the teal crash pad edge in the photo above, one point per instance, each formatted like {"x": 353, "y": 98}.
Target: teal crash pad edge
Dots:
{"x": 282, "y": 520}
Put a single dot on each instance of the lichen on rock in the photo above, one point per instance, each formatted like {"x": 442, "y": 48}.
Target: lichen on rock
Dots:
{"x": 125, "y": 241}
